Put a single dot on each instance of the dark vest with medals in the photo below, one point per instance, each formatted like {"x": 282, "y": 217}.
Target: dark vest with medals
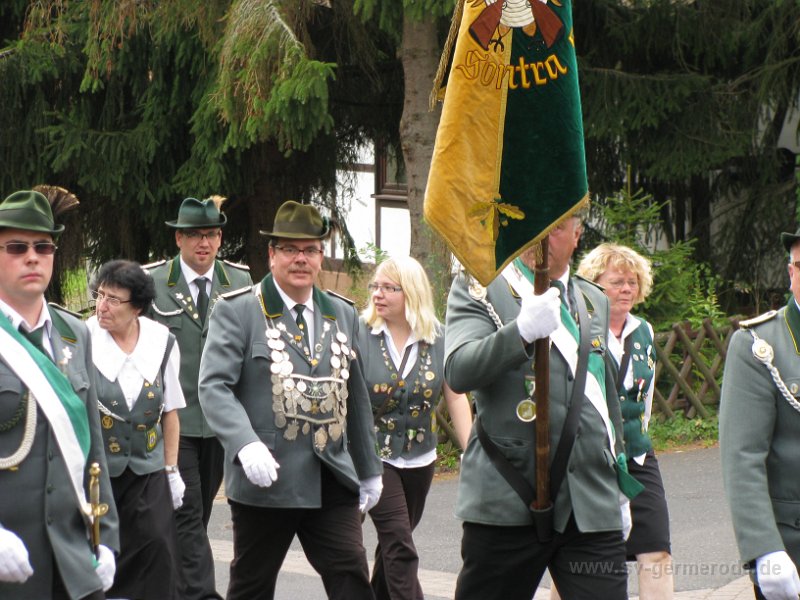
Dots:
{"x": 403, "y": 407}
{"x": 133, "y": 437}
{"x": 632, "y": 401}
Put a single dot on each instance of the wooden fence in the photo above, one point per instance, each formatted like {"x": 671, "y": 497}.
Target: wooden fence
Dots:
{"x": 688, "y": 371}
{"x": 689, "y": 367}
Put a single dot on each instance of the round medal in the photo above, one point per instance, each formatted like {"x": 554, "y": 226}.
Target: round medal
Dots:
{"x": 526, "y": 410}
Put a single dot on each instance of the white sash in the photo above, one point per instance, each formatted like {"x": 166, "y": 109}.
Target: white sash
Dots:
{"x": 567, "y": 346}
{"x": 18, "y": 359}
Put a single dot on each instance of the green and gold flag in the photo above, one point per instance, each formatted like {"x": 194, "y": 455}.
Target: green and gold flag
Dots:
{"x": 509, "y": 161}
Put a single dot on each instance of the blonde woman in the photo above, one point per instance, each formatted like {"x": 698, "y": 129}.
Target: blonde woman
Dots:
{"x": 627, "y": 279}
{"x": 402, "y": 351}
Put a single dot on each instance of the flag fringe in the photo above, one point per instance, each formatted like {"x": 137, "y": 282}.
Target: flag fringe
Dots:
{"x": 449, "y": 44}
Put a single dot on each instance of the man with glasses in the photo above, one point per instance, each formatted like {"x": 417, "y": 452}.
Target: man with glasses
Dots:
{"x": 49, "y": 424}
{"x": 759, "y": 434}
{"x": 187, "y": 289}
{"x": 282, "y": 386}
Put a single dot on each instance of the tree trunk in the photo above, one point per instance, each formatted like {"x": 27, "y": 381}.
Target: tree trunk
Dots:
{"x": 419, "y": 53}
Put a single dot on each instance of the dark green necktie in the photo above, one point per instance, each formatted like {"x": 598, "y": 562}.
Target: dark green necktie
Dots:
{"x": 560, "y": 287}
{"x": 35, "y": 338}
{"x": 202, "y": 298}
{"x": 301, "y": 322}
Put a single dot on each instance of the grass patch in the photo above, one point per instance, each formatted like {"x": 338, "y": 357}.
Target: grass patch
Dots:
{"x": 448, "y": 457}
{"x": 682, "y": 431}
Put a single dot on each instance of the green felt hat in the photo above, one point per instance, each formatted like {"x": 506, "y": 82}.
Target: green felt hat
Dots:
{"x": 30, "y": 211}
{"x": 788, "y": 239}
{"x": 198, "y": 214}
{"x": 299, "y": 221}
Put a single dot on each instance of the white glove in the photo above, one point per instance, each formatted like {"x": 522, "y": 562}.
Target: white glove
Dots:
{"x": 540, "y": 315}
{"x": 14, "y": 564}
{"x": 258, "y": 464}
{"x": 369, "y": 492}
{"x": 106, "y": 566}
{"x": 627, "y": 520}
{"x": 177, "y": 488}
{"x": 777, "y": 577}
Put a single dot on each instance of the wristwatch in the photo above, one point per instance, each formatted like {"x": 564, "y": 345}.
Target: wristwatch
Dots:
{"x": 171, "y": 469}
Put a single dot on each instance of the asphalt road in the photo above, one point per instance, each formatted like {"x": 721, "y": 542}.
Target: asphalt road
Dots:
{"x": 703, "y": 545}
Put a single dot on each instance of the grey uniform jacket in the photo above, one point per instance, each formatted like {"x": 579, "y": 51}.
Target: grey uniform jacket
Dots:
{"x": 36, "y": 499}
{"x": 174, "y": 308}
{"x": 759, "y": 435}
{"x": 493, "y": 364}
{"x": 250, "y": 382}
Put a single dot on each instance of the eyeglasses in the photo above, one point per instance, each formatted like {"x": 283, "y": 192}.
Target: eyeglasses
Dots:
{"x": 292, "y": 251}
{"x": 19, "y": 248}
{"x": 110, "y": 300}
{"x": 384, "y": 288}
{"x": 618, "y": 284}
{"x": 196, "y": 236}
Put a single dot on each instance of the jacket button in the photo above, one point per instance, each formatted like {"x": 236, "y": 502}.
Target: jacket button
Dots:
{"x": 50, "y": 489}
{"x": 571, "y": 469}
{"x": 570, "y": 377}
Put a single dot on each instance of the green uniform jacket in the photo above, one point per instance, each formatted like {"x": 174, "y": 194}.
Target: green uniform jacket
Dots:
{"x": 36, "y": 500}
{"x": 174, "y": 308}
{"x": 493, "y": 363}
{"x": 238, "y": 387}
{"x": 759, "y": 434}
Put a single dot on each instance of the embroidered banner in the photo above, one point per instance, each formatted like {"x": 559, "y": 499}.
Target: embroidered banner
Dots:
{"x": 509, "y": 161}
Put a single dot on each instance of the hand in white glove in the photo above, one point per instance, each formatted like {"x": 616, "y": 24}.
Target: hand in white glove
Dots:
{"x": 106, "y": 566}
{"x": 369, "y": 492}
{"x": 258, "y": 464}
{"x": 14, "y": 564}
{"x": 777, "y": 577}
{"x": 627, "y": 520}
{"x": 540, "y": 315}
{"x": 177, "y": 488}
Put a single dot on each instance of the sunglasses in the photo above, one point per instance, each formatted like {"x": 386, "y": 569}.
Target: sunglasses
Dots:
{"x": 20, "y": 248}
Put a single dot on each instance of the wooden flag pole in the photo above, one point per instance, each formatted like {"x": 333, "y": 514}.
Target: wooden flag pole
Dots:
{"x": 542, "y": 393}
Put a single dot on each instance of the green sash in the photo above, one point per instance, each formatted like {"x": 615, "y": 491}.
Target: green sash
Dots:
{"x": 74, "y": 407}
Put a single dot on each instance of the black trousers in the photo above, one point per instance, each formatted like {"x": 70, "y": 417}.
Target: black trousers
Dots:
{"x": 507, "y": 563}
{"x": 200, "y": 461}
{"x": 148, "y": 565}
{"x": 331, "y": 538}
{"x": 395, "y": 517}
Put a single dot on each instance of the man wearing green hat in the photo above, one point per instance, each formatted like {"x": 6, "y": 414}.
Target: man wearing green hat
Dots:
{"x": 49, "y": 424}
{"x": 759, "y": 434}
{"x": 187, "y": 289}
{"x": 281, "y": 384}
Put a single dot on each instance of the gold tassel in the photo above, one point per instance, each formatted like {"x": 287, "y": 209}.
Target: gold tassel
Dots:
{"x": 437, "y": 93}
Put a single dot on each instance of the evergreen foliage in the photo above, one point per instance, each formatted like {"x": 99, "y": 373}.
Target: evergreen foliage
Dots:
{"x": 135, "y": 105}
{"x": 683, "y": 289}
{"x": 692, "y": 97}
